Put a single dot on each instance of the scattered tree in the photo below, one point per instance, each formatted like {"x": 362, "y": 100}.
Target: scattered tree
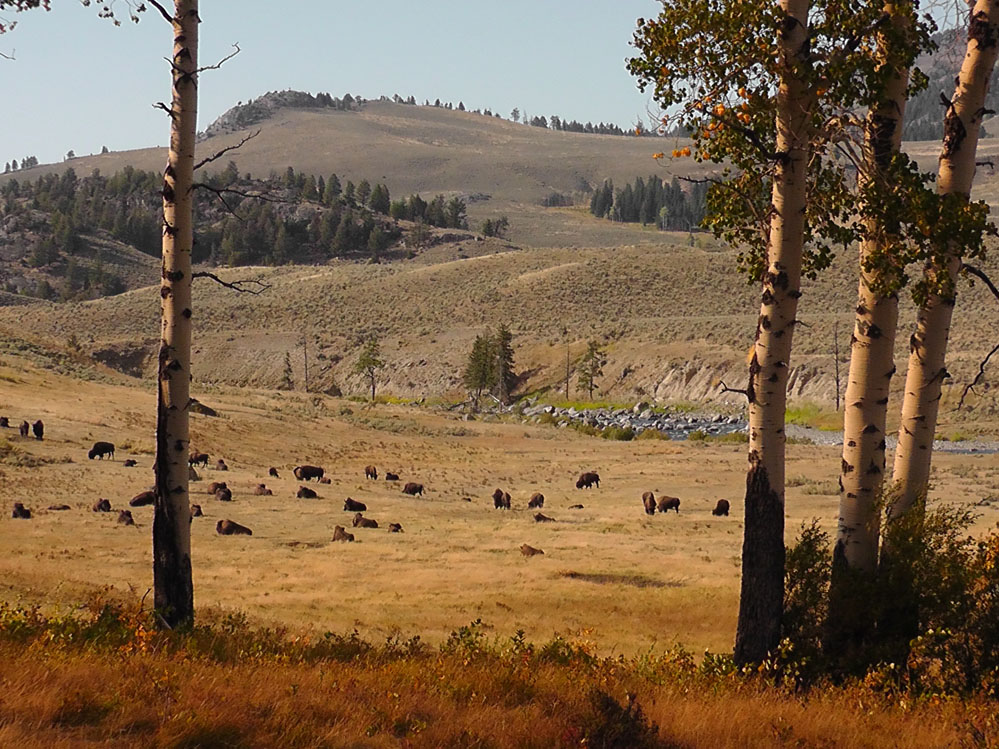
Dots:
{"x": 504, "y": 376}
{"x": 591, "y": 367}
{"x": 479, "y": 371}
{"x": 369, "y": 362}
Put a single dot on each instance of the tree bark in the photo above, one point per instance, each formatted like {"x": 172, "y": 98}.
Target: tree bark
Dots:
{"x": 762, "y": 591}
{"x": 172, "y": 583}
{"x": 928, "y": 345}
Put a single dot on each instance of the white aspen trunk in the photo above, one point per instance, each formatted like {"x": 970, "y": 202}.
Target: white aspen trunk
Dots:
{"x": 172, "y": 583}
{"x": 762, "y": 591}
{"x": 928, "y": 345}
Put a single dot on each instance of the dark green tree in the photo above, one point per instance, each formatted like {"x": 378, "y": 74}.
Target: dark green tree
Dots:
{"x": 591, "y": 367}
{"x": 479, "y": 371}
{"x": 504, "y": 376}
{"x": 369, "y": 362}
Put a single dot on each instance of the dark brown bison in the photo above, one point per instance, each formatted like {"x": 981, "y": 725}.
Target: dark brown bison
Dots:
{"x": 224, "y": 494}
{"x": 102, "y": 505}
{"x": 352, "y": 505}
{"x": 261, "y": 490}
{"x": 24, "y": 428}
{"x": 20, "y": 511}
{"x": 370, "y": 472}
{"x": 197, "y": 459}
{"x": 125, "y": 518}
{"x": 220, "y": 465}
{"x": 501, "y": 500}
{"x": 305, "y": 492}
{"x": 362, "y": 522}
{"x": 272, "y": 472}
{"x": 4, "y": 422}
{"x": 142, "y": 499}
{"x": 231, "y": 528}
{"x": 38, "y": 428}
{"x": 537, "y": 501}
{"x": 100, "y": 450}
{"x": 196, "y": 511}
{"x": 529, "y": 551}
{"x": 412, "y": 488}
{"x": 395, "y": 528}
{"x": 721, "y": 508}
{"x": 215, "y": 486}
{"x": 588, "y": 479}
{"x": 575, "y": 507}
{"x": 649, "y": 500}
{"x": 325, "y": 480}
{"x": 669, "y": 503}
{"x": 391, "y": 476}
{"x": 305, "y": 473}
{"x": 339, "y": 534}
{"x": 542, "y": 518}
{"x": 130, "y": 463}
{"x": 59, "y": 508}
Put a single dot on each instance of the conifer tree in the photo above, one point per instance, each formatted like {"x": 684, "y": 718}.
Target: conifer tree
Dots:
{"x": 591, "y": 367}
{"x": 504, "y": 377}
{"x": 369, "y": 362}
{"x": 479, "y": 371}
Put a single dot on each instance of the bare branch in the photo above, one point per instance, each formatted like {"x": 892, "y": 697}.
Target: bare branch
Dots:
{"x": 218, "y": 155}
{"x": 162, "y": 10}
{"x": 969, "y": 388}
{"x": 165, "y": 108}
{"x": 726, "y": 389}
{"x": 979, "y": 273}
{"x": 237, "y": 286}
{"x": 221, "y": 62}
{"x": 10, "y": 56}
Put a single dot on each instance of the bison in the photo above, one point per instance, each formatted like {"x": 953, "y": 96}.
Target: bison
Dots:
{"x": 261, "y": 490}
{"x": 220, "y": 465}
{"x": 542, "y": 518}
{"x": 370, "y": 472}
{"x": 339, "y": 534}
{"x": 224, "y": 494}
{"x": 412, "y": 488}
{"x": 4, "y": 422}
{"x": 24, "y": 428}
{"x": 721, "y": 508}
{"x": 669, "y": 503}
{"x": 395, "y": 528}
{"x": 537, "y": 501}
{"x": 125, "y": 518}
{"x": 588, "y": 479}
{"x": 38, "y": 428}
{"x": 575, "y": 507}
{"x": 501, "y": 500}
{"x": 59, "y": 508}
{"x": 215, "y": 486}
{"x": 100, "y": 450}
{"x": 352, "y": 505}
{"x": 196, "y": 511}
{"x": 304, "y": 473}
{"x": 197, "y": 459}
{"x": 101, "y": 505}
{"x": 391, "y": 476}
{"x": 231, "y": 528}
{"x": 362, "y": 522}
{"x": 649, "y": 500}
{"x": 272, "y": 472}
{"x": 305, "y": 492}
{"x": 529, "y": 551}
{"x": 142, "y": 499}
{"x": 325, "y": 480}
{"x": 131, "y": 463}
{"x": 20, "y": 511}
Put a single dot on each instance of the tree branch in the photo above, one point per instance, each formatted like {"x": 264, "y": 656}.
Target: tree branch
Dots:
{"x": 221, "y": 62}
{"x": 978, "y": 377}
{"x": 237, "y": 286}
{"x": 10, "y": 56}
{"x": 162, "y": 10}
{"x": 219, "y": 154}
{"x": 979, "y": 273}
{"x": 726, "y": 389}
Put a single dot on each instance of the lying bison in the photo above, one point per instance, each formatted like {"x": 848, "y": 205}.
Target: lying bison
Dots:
{"x": 370, "y": 472}
{"x": 197, "y": 459}
{"x": 721, "y": 508}
{"x": 59, "y": 508}
{"x": 649, "y": 500}
{"x": 101, "y": 505}
{"x": 224, "y": 494}
{"x": 325, "y": 480}
{"x": 395, "y": 528}
{"x": 231, "y": 528}
{"x": 588, "y": 479}
{"x": 131, "y": 463}
{"x": 412, "y": 488}
{"x": 20, "y": 511}
{"x": 38, "y": 428}
{"x": 391, "y": 476}
{"x": 305, "y": 492}
{"x": 272, "y": 472}
{"x": 142, "y": 499}
{"x": 542, "y": 518}
{"x": 529, "y": 551}
{"x": 125, "y": 518}
{"x": 339, "y": 534}
{"x": 196, "y": 511}
{"x": 537, "y": 501}
{"x": 362, "y": 522}
{"x": 669, "y": 503}
{"x": 261, "y": 490}
{"x": 100, "y": 450}
{"x": 305, "y": 473}
{"x": 352, "y": 505}
{"x": 220, "y": 465}
{"x": 215, "y": 486}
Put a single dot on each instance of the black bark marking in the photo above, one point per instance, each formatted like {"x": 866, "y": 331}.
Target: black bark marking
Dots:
{"x": 187, "y": 313}
{"x": 846, "y": 467}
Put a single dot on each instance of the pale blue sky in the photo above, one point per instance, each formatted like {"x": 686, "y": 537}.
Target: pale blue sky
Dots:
{"x": 79, "y": 83}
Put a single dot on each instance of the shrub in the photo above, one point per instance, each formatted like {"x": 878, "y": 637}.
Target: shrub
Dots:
{"x": 624, "y": 434}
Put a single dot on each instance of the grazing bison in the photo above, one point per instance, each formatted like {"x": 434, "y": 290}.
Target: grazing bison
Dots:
{"x": 304, "y": 473}
{"x": 588, "y": 479}
{"x": 58, "y": 508}
{"x": 215, "y": 486}
{"x": 272, "y": 472}
{"x": 130, "y": 463}
{"x": 224, "y": 494}
{"x": 197, "y": 459}
{"x": 721, "y": 508}
{"x": 669, "y": 503}
{"x": 196, "y": 511}
{"x": 38, "y": 428}
{"x": 23, "y": 429}
{"x": 501, "y": 500}
{"x": 370, "y": 472}
{"x": 20, "y": 511}
{"x": 352, "y": 505}
{"x": 220, "y": 465}
{"x": 305, "y": 492}
{"x": 102, "y": 505}
{"x": 412, "y": 488}
{"x": 261, "y": 490}
{"x": 231, "y": 528}
{"x": 101, "y": 449}
{"x": 395, "y": 528}
{"x": 362, "y": 522}
{"x": 649, "y": 500}
{"x": 125, "y": 518}
{"x": 142, "y": 499}
{"x": 4, "y": 422}
{"x": 537, "y": 501}
{"x": 391, "y": 476}
{"x": 529, "y": 551}
{"x": 339, "y": 534}
{"x": 542, "y": 518}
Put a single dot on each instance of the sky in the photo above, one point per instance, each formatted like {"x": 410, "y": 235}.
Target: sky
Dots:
{"x": 77, "y": 82}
